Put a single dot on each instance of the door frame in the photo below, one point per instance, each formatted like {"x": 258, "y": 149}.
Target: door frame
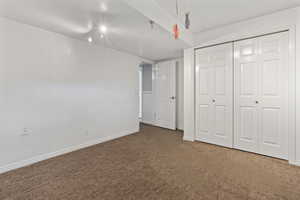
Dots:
{"x": 189, "y": 85}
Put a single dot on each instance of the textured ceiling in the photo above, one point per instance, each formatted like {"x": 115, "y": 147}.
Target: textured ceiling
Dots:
{"x": 127, "y": 29}
{"x": 208, "y": 14}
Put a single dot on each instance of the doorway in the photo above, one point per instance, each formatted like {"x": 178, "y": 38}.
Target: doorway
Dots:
{"x": 161, "y": 94}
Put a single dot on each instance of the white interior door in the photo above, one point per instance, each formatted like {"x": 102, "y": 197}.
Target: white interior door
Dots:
{"x": 261, "y": 92}
{"x": 214, "y": 95}
{"x": 166, "y": 94}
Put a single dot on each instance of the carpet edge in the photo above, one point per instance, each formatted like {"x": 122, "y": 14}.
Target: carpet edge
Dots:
{"x": 46, "y": 156}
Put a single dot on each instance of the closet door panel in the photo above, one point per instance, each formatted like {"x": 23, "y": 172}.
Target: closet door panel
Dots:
{"x": 214, "y": 95}
{"x": 222, "y": 94}
{"x": 204, "y": 122}
{"x": 274, "y": 96}
{"x": 220, "y": 74}
{"x": 220, "y": 121}
{"x": 261, "y": 86}
{"x": 248, "y": 124}
{"x": 246, "y": 92}
{"x": 204, "y": 81}
{"x": 203, "y": 86}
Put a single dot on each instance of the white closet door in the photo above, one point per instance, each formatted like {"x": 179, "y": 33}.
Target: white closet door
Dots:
{"x": 246, "y": 67}
{"x": 214, "y": 97}
{"x": 261, "y": 92}
{"x": 165, "y": 86}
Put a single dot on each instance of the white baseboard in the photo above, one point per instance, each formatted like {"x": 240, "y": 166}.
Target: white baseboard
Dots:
{"x": 297, "y": 163}
{"x": 39, "y": 158}
{"x": 148, "y": 122}
{"x": 189, "y": 139}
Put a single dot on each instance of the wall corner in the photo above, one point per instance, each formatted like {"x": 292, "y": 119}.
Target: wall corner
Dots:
{"x": 189, "y": 96}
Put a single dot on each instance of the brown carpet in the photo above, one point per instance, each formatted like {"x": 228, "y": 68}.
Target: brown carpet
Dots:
{"x": 154, "y": 164}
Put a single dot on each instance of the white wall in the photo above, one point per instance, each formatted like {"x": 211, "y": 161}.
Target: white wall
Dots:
{"x": 189, "y": 95}
{"x": 288, "y": 19}
{"x": 249, "y": 28}
{"x": 57, "y": 93}
{"x": 296, "y": 139}
{"x": 180, "y": 94}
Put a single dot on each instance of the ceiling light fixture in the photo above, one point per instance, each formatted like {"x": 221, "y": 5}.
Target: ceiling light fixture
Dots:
{"x": 103, "y": 29}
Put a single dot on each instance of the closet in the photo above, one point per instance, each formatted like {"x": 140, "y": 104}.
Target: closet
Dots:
{"x": 242, "y": 95}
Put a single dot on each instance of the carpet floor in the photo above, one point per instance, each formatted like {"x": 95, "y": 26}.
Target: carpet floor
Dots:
{"x": 154, "y": 164}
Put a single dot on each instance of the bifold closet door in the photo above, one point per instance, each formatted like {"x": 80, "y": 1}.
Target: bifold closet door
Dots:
{"x": 261, "y": 95}
{"x": 214, "y": 97}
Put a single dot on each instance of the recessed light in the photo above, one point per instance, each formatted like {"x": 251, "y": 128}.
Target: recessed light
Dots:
{"x": 103, "y": 29}
{"x": 90, "y": 39}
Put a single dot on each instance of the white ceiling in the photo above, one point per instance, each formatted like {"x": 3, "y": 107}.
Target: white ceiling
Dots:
{"x": 209, "y": 14}
{"x": 128, "y": 30}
